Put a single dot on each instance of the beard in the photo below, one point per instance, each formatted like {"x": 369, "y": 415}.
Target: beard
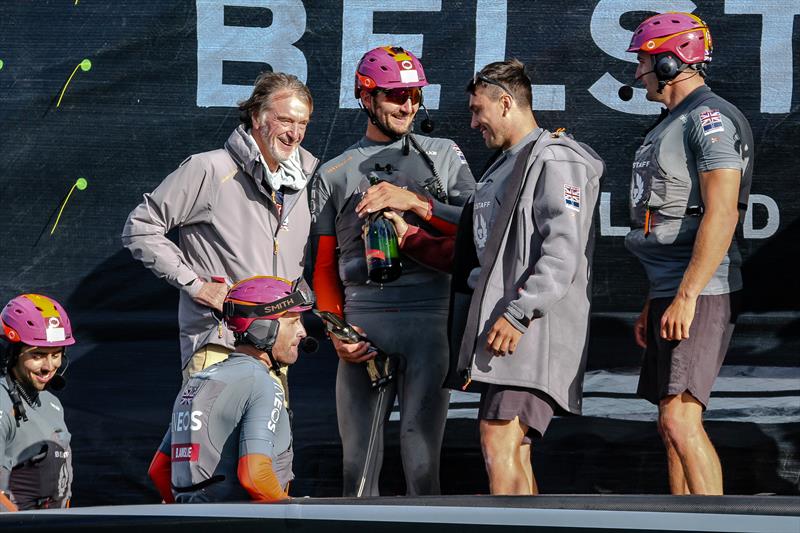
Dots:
{"x": 384, "y": 120}
{"x": 277, "y": 150}
{"x": 397, "y": 131}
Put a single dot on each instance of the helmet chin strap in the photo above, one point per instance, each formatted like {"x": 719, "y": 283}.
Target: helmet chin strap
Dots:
{"x": 264, "y": 343}
{"x": 264, "y": 346}
{"x": 673, "y": 81}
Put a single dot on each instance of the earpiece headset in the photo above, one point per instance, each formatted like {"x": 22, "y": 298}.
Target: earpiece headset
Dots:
{"x": 427, "y": 124}
{"x": 666, "y": 66}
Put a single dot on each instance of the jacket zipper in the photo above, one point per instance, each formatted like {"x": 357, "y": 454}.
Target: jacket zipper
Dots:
{"x": 494, "y": 261}
{"x": 275, "y": 245}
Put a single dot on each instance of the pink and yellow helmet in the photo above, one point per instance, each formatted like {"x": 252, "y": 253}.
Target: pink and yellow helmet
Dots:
{"x": 682, "y": 34}
{"x": 36, "y": 320}
{"x": 388, "y": 67}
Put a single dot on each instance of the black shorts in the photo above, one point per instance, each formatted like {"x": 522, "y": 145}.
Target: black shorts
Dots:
{"x": 534, "y": 408}
{"x": 672, "y": 367}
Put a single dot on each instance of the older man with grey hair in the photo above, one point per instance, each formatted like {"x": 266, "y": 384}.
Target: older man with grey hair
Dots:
{"x": 235, "y": 209}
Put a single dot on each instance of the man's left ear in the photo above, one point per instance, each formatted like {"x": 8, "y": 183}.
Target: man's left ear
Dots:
{"x": 366, "y": 98}
{"x": 255, "y": 122}
{"x": 506, "y": 101}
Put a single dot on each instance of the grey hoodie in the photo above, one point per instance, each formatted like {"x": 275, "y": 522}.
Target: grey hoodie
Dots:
{"x": 228, "y": 226}
{"x": 537, "y": 267}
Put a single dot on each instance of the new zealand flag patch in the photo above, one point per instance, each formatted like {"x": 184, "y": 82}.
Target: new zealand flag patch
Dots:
{"x": 572, "y": 197}
{"x": 711, "y": 122}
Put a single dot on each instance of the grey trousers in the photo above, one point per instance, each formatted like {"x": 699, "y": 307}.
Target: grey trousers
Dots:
{"x": 421, "y": 337}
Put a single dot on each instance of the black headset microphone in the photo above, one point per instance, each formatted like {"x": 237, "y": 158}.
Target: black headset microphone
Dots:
{"x": 625, "y": 92}
{"x": 309, "y": 344}
{"x": 666, "y": 67}
{"x": 427, "y": 124}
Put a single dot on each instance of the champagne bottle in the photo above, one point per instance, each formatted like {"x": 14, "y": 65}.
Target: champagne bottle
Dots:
{"x": 380, "y": 243}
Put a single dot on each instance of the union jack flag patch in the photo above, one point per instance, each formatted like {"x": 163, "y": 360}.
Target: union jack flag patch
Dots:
{"x": 711, "y": 122}
{"x": 188, "y": 395}
{"x": 572, "y": 197}
{"x": 460, "y": 154}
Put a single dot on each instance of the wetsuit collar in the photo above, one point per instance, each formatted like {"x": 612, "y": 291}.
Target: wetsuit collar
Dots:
{"x": 366, "y": 143}
{"x": 690, "y": 100}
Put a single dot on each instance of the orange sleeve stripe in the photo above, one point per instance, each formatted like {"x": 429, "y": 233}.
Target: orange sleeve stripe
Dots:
{"x": 258, "y": 478}
{"x": 160, "y": 472}
{"x": 6, "y": 504}
{"x": 327, "y": 286}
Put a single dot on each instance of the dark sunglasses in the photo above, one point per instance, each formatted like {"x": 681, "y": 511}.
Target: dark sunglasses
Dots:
{"x": 480, "y": 78}
{"x": 400, "y": 95}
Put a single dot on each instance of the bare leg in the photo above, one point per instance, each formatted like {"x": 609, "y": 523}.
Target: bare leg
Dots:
{"x": 500, "y": 442}
{"x": 525, "y": 459}
{"x": 677, "y": 479}
{"x": 681, "y": 420}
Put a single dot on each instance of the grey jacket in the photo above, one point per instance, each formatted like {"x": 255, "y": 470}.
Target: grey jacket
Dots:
{"x": 538, "y": 268}
{"x": 228, "y": 226}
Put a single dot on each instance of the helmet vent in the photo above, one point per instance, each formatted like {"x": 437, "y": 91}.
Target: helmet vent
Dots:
{"x": 383, "y": 68}
{"x": 18, "y": 311}
{"x": 371, "y": 59}
{"x": 30, "y": 323}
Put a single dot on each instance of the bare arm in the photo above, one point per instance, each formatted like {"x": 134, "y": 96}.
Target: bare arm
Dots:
{"x": 720, "y": 192}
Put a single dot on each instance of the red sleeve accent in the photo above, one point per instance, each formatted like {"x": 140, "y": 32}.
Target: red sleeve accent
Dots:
{"x": 447, "y": 228}
{"x": 160, "y": 472}
{"x": 258, "y": 479}
{"x": 435, "y": 252}
{"x": 327, "y": 286}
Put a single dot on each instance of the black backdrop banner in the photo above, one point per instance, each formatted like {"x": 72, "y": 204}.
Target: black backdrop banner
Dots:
{"x": 120, "y": 92}
{"x": 148, "y": 83}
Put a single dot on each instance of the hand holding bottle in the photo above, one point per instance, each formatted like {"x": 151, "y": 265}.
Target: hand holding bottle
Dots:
{"x": 381, "y": 248}
{"x": 400, "y": 225}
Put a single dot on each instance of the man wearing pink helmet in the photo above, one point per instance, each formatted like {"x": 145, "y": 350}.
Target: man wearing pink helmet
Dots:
{"x": 35, "y": 454}
{"x": 429, "y": 179}
{"x": 689, "y": 189}
{"x": 230, "y": 437}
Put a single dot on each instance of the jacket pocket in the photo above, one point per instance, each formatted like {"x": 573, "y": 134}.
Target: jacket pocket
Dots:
{"x": 522, "y": 238}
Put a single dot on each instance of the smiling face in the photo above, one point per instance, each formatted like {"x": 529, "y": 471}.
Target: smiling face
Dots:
{"x": 36, "y": 366}
{"x": 488, "y": 110}
{"x": 280, "y": 128}
{"x": 393, "y": 116}
{"x": 290, "y": 333}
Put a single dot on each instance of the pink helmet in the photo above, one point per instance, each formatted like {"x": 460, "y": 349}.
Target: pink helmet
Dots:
{"x": 36, "y": 320}
{"x": 682, "y": 34}
{"x": 264, "y": 298}
{"x": 389, "y": 67}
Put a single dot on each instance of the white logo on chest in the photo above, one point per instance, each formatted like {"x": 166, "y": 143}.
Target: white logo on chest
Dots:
{"x": 277, "y": 405}
{"x": 480, "y": 231}
{"x": 637, "y": 189}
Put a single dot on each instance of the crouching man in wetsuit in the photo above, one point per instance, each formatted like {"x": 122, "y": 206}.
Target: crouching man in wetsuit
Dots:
{"x": 35, "y": 456}
{"x": 230, "y": 437}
